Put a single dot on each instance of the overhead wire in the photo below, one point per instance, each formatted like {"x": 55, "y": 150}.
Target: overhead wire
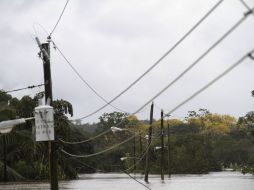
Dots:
{"x": 95, "y": 137}
{"x": 59, "y": 19}
{"x": 25, "y": 88}
{"x": 74, "y": 69}
{"x": 245, "y": 4}
{"x": 84, "y": 81}
{"x": 101, "y": 152}
{"x": 140, "y": 159}
{"x": 126, "y": 171}
{"x": 224, "y": 36}
{"x": 214, "y": 80}
{"x": 103, "y": 171}
{"x": 87, "y": 140}
{"x": 158, "y": 61}
{"x": 139, "y": 78}
{"x": 241, "y": 60}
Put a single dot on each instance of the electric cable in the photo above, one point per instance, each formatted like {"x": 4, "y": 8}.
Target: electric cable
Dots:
{"x": 96, "y": 136}
{"x": 140, "y": 159}
{"x": 84, "y": 81}
{"x": 214, "y": 80}
{"x": 58, "y": 19}
{"x": 87, "y": 140}
{"x": 103, "y": 171}
{"x": 25, "y": 88}
{"x": 158, "y": 61}
{"x": 136, "y": 180}
{"x": 245, "y": 4}
{"x": 238, "y": 23}
{"x": 101, "y": 152}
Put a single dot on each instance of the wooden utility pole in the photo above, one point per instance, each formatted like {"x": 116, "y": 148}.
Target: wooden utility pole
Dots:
{"x": 148, "y": 153}
{"x": 140, "y": 144}
{"x": 45, "y": 48}
{"x": 5, "y": 166}
{"x": 169, "y": 172}
{"x": 134, "y": 154}
{"x": 162, "y": 147}
{"x": 141, "y": 151}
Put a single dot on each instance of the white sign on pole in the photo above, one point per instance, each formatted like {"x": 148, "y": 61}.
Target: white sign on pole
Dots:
{"x": 44, "y": 123}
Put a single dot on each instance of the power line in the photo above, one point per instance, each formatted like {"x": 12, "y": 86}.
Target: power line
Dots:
{"x": 101, "y": 152}
{"x": 103, "y": 171}
{"x": 174, "y": 109}
{"x": 123, "y": 171}
{"x": 245, "y": 4}
{"x": 238, "y": 23}
{"x": 87, "y": 140}
{"x": 85, "y": 82}
{"x": 94, "y": 137}
{"x": 136, "y": 180}
{"x": 29, "y": 87}
{"x": 58, "y": 19}
{"x": 214, "y": 80}
{"x": 140, "y": 159}
{"x": 75, "y": 70}
{"x": 157, "y": 62}
{"x": 174, "y": 116}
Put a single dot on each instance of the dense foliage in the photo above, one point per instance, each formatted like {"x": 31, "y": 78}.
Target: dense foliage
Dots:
{"x": 27, "y": 159}
{"x": 200, "y": 143}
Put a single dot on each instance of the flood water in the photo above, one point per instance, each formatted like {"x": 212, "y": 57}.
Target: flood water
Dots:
{"x": 213, "y": 181}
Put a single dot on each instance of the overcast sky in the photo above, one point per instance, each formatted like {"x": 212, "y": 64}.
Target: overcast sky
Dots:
{"x": 112, "y": 42}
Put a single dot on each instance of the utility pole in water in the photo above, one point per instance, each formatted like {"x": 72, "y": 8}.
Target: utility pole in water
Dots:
{"x": 45, "y": 51}
{"x": 169, "y": 172}
{"x": 5, "y": 166}
{"x": 148, "y": 153}
{"x": 134, "y": 154}
{"x": 162, "y": 147}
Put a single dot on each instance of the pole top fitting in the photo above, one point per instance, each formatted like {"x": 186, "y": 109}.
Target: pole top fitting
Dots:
{"x": 251, "y": 56}
{"x": 49, "y": 38}
{"x": 250, "y": 11}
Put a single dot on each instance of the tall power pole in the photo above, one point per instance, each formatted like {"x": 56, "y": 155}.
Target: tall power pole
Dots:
{"x": 134, "y": 154}
{"x": 148, "y": 144}
{"x": 5, "y": 166}
{"x": 162, "y": 147}
{"x": 45, "y": 48}
{"x": 140, "y": 144}
{"x": 169, "y": 172}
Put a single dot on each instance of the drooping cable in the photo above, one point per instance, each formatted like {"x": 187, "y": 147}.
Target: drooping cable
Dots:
{"x": 157, "y": 62}
{"x": 135, "y": 179}
{"x": 140, "y": 159}
{"x": 103, "y": 171}
{"x": 74, "y": 69}
{"x": 224, "y": 36}
{"x": 87, "y": 140}
{"x": 84, "y": 81}
{"x": 238, "y": 23}
{"x": 58, "y": 19}
{"x": 101, "y": 152}
{"x": 213, "y": 81}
